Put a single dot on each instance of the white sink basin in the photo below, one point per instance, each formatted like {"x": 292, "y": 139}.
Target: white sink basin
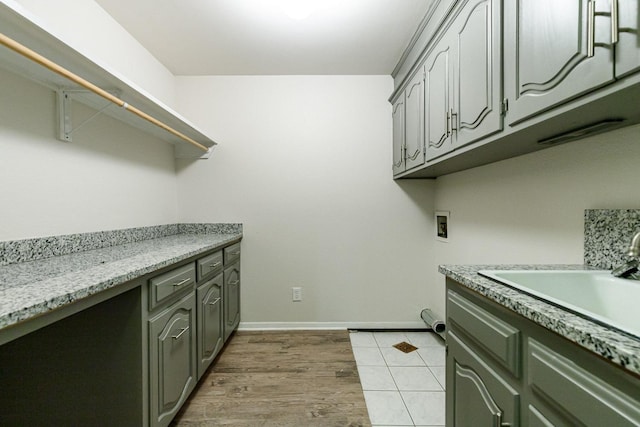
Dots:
{"x": 595, "y": 294}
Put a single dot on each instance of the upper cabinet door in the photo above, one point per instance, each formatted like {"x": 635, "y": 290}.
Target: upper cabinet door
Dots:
{"x": 398, "y": 135}
{"x": 414, "y": 121}
{"x": 555, "y": 50}
{"x": 438, "y": 100}
{"x": 478, "y": 71}
{"x": 628, "y": 32}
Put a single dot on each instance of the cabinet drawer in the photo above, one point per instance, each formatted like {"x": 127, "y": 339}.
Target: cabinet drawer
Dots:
{"x": 231, "y": 253}
{"x": 575, "y": 391}
{"x": 164, "y": 286}
{"x": 498, "y": 338}
{"x": 209, "y": 265}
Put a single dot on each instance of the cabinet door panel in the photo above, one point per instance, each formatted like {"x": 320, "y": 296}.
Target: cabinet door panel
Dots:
{"x": 398, "y": 136}
{"x": 476, "y": 394}
{"x": 172, "y": 359}
{"x": 414, "y": 121}
{"x": 231, "y": 299}
{"x": 628, "y": 49}
{"x": 437, "y": 96}
{"x": 546, "y": 47}
{"x": 479, "y": 71}
{"x": 210, "y": 322}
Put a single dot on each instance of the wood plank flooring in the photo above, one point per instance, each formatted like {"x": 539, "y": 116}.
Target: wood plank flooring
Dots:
{"x": 291, "y": 378}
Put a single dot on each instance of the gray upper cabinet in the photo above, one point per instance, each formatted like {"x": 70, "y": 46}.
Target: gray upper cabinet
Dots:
{"x": 477, "y": 86}
{"x": 414, "y": 121}
{"x": 506, "y": 78}
{"x": 438, "y": 100}
{"x": 463, "y": 79}
{"x": 628, "y": 33}
{"x": 398, "y": 136}
{"x": 555, "y": 50}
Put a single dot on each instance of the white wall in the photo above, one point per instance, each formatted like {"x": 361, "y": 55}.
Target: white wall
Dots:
{"x": 530, "y": 209}
{"x": 304, "y": 163}
{"x": 86, "y": 27}
{"x": 111, "y": 176}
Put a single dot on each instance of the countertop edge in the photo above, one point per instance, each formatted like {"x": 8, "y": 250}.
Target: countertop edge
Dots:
{"x": 617, "y": 347}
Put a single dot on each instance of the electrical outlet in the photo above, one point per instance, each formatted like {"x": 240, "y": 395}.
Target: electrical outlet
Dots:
{"x": 296, "y": 294}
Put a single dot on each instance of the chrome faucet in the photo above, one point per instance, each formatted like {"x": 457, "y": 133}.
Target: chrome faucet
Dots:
{"x": 630, "y": 268}
{"x": 634, "y": 247}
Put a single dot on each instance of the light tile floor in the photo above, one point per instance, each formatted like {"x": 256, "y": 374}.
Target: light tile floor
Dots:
{"x": 401, "y": 389}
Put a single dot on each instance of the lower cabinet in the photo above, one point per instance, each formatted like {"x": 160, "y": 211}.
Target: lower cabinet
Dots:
{"x": 566, "y": 394}
{"x": 188, "y": 327}
{"x": 172, "y": 356}
{"x": 478, "y": 396}
{"x": 210, "y": 322}
{"x": 231, "y": 299}
{"x": 128, "y": 359}
{"x": 504, "y": 370}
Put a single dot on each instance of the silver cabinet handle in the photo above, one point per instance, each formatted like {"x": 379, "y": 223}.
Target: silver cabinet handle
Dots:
{"x": 235, "y": 253}
{"x": 180, "y": 283}
{"x": 215, "y": 264}
{"x": 614, "y": 21}
{"x": 453, "y": 124}
{"x": 175, "y": 337}
{"x": 214, "y": 302}
{"x": 447, "y": 124}
{"x": 234, "y": 282}
{"x": 591, "y": 28}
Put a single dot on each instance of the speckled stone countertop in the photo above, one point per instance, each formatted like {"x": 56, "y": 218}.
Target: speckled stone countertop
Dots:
{"x": 32, "y": 288}
{"x": 618, "y": 347}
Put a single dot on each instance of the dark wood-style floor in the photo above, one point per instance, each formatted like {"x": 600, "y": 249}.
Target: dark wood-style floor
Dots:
{"x": 292, "y": 378}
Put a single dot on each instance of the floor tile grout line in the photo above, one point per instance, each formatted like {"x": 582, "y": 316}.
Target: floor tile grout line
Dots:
{"x": 386, "y": 364}
{"x": 398, "y": 389}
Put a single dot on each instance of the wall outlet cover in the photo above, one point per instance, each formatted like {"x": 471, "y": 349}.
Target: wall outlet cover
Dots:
{"x": 296, "y": 294}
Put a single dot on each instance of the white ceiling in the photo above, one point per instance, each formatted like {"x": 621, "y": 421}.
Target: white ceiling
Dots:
{"x": 256, "y": 37}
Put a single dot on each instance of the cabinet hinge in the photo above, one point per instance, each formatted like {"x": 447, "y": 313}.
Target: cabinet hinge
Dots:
{"x": 505, "y": 106}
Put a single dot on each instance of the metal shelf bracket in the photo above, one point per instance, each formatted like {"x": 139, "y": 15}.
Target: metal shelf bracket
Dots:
{"x": 64, "y": 103}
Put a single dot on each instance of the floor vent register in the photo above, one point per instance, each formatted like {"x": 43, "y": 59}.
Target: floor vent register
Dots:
{"x": 405, "y": 347}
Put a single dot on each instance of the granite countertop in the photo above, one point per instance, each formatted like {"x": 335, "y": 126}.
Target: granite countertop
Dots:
{"x": 32, "y": 288}
{"x": 618, "y": 347}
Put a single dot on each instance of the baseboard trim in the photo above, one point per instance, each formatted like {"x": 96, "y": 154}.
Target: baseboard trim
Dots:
{"x": 274, "y": 326}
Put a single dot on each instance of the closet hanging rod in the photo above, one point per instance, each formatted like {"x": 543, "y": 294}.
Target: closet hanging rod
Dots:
{"x": 45, "y": 62}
